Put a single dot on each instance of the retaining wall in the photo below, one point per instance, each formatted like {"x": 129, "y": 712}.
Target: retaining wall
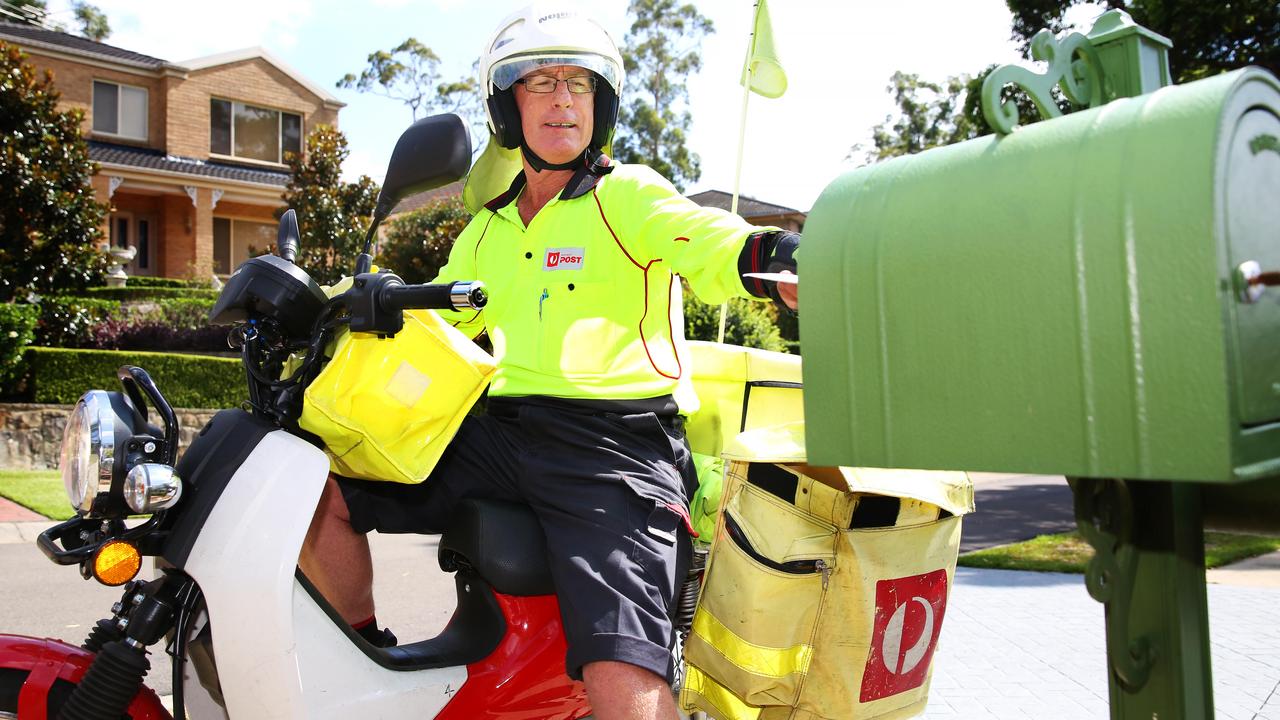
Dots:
{"x": 31, "y": 434}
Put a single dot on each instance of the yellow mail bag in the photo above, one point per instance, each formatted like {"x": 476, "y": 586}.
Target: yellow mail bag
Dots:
{"x": 826, "y": 588}
{"x": 386, "y": 408}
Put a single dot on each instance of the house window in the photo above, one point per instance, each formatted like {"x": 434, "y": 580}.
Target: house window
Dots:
{"x": 235, "y": 241}
{"x": 255, "y": 133}
{"x": 120, "y": 110}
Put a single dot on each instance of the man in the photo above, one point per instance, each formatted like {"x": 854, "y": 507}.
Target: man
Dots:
{"x": 582, "y": 425}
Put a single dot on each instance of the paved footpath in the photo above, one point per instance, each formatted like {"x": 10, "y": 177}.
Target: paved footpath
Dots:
{"x": 1030, "y": 645}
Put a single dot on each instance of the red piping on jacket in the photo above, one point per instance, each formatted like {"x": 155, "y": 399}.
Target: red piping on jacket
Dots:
{"x": 645, "y": 270}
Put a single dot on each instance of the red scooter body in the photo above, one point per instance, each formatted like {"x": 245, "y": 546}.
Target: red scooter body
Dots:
{"x": 50, "y": 660}
{"x": 524, "y": 678}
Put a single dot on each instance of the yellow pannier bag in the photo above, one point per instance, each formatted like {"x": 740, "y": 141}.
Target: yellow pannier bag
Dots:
{"x": 387, "y": 407}
{"x": 826, "y": 588}
{"x": 740, "y": 388}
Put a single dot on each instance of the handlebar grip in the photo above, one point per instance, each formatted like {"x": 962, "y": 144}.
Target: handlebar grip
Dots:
{"x": 458, "y": 295}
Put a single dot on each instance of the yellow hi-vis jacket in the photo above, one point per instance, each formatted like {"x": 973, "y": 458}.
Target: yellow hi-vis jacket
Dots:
{"x": 584, "y": 302}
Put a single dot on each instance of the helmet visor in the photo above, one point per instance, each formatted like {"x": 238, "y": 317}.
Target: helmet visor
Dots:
{"x": 506, "y": 73}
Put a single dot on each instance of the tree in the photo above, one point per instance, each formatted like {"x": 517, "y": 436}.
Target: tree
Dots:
{"x": 929, "y": 115}
{"x": 748, "y": 323}
{"x": 410, "y": 73}
{"x": 1208, "y": 37}
{"x": 332, "y": 215}
{"x": 417, "y": 244}
{"x": 49, "y": 220}
{"x": 660, "y": 51}
{"x": 93, "y": 22}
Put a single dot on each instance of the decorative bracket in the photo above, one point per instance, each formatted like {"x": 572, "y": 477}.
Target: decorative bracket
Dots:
{"x": 217, "y": 195}
{"x": 191, "y": 191}
{"x": 1104, "y": 514}
{"x": 1080, "y": 79}
{"x": 113, "y": 182}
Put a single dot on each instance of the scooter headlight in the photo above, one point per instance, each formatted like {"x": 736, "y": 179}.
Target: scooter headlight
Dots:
{"x": 151, "y": 487}
{"x": 94, "y": 444}
{"x": 88, "y": 449}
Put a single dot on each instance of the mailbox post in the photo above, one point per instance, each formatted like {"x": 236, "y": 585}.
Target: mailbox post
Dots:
{"x": 1084, "y": 296}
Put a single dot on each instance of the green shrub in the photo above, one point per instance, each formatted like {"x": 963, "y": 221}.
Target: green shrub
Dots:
{"x": 17, "y": 329}
{"x": 141, "y": 281}
{"x": 417, "y": 244}
{"x": 125, "y": 294}
{"x": 61, "y": 376}
{"x": 176, "y": 312}
{"x": 749, "y": 323}
{"x": 69, "y": 321}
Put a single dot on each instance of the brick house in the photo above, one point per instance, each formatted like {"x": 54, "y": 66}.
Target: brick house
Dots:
{"x": 190, "y": 152}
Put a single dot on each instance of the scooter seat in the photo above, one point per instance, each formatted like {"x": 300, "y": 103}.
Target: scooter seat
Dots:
{"x": 502, "y": 542}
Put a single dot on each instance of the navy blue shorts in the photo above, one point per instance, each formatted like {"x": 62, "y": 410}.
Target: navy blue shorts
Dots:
{"x": 610, "y": 490}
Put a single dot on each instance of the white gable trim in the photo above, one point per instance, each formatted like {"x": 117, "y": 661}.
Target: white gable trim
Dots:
{"x": 251, "y": 53}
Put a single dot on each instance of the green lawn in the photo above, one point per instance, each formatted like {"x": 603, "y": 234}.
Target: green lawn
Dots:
{"x": 39, "y": 490}
{"x": 1069, "y": 553}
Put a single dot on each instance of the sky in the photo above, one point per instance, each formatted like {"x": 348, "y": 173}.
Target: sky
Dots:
{"x": 838, "y": 56}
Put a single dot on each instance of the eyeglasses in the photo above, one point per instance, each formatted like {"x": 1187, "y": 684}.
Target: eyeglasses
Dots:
{"x": 542, "y": 84}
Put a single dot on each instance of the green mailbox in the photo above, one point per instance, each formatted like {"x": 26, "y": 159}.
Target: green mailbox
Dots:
{"x": 1072, "y": 298}
{"x": 1085, "y": 296}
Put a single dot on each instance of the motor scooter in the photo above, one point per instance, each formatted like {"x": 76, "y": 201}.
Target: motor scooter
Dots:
{"x": 250, "y": 637}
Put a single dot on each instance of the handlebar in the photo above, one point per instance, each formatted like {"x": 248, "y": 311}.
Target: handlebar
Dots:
{"x": 460, "y": 295}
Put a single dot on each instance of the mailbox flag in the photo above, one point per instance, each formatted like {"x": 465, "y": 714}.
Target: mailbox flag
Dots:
{"x": 763, "y": 67}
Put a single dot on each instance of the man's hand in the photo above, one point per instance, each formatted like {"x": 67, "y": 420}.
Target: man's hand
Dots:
{"x": 790, "y": 292}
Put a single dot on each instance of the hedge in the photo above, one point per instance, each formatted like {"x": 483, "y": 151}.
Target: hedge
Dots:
{"x": 141, "y": 281}
{"x": 61, "y": 376}
{"x": 149, "y": 293}
{"x": 17, "y": 328}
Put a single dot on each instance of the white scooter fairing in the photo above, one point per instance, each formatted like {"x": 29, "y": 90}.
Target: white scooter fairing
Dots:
{"x": 279, "y": 655}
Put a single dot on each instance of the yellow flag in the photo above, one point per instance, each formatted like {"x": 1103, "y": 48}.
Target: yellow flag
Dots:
{"x": 767, "y": 76}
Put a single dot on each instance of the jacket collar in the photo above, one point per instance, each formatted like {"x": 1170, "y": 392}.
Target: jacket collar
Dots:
{"x": 583, "y": 181}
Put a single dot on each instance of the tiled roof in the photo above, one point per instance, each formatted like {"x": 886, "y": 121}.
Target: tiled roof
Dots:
{"x": 38, "y": 36}
{"x": 155, "y": 160}
{"x": 747, "y": 207}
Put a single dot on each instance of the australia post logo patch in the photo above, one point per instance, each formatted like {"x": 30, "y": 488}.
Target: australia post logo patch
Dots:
{"x": 907, "y": 624}
{"x": 563, "y": 259}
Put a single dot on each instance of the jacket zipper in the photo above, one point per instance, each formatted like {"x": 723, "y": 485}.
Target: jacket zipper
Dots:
{"x": 792, "y": 567}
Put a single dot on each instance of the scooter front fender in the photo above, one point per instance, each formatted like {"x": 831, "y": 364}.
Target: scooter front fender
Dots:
{"x": 47, "y": 661}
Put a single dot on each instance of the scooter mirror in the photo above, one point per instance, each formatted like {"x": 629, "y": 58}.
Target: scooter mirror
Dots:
{"x": 433, "y": 152}
{"x": 287, "y": 236}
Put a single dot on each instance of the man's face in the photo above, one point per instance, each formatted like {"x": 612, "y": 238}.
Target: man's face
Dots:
{"x": 557, "y": 125}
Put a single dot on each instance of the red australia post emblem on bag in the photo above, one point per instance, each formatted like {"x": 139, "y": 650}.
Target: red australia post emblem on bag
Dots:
{"x": 908, "y": 620}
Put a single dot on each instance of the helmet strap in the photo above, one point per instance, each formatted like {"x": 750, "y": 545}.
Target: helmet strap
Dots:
{"x": 541, "y": 165}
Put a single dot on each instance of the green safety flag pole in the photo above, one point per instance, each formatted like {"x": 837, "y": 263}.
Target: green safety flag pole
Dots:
{"x": 761, "y": 73}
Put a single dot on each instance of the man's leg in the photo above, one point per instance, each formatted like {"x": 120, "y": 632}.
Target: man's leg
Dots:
{"x": 335, "y": 555}
{"x": 336, "y": 559}
{"x": 609, "y": 493}
{"x": 619, "y": 691}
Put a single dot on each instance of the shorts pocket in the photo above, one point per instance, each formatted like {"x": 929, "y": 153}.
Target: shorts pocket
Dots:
{"x": 762, "y": 599}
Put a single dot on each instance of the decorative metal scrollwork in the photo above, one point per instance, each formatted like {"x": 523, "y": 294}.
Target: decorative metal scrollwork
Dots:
{"x": 1104, "y": 514}
{"x": 1073, "y": 64}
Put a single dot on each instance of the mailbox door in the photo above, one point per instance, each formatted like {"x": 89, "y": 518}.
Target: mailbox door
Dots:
{"x": 1252, "y": 216}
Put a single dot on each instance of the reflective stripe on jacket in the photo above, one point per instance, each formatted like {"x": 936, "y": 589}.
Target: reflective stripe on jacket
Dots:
{"x": 584, "y": 302}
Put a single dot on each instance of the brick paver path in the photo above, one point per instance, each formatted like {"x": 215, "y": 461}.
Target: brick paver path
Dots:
{"x": 13, "y": 512}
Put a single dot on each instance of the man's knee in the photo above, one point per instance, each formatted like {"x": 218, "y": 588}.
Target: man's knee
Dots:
{"x": 332, "y": 506}
{"x": 622, "y": 690}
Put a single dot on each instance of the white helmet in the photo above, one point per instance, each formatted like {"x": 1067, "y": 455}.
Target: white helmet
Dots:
{"x": 548, "y": 34}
